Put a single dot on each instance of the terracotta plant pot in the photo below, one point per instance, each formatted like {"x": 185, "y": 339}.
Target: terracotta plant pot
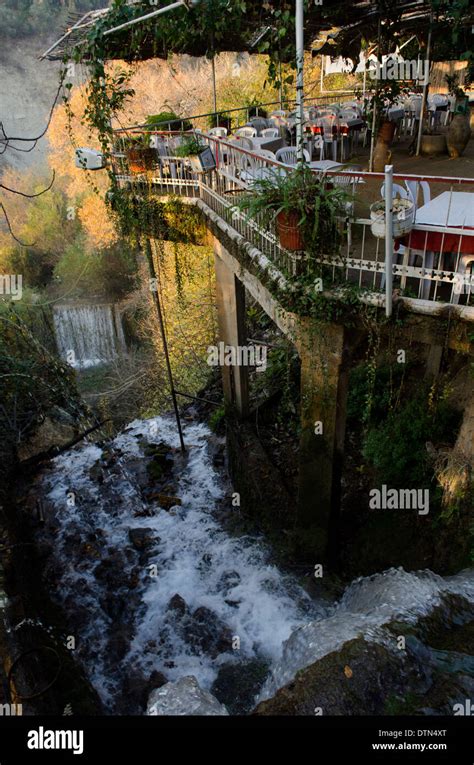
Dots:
{"x": 140, "y": 159}
{"x": 289, "y": 233}
{"x": 433, "y": 145}
{"x": 459, "y": 133}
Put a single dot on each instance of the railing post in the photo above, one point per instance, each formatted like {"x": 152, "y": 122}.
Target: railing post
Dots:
{"x": 299, "y": 79}
{"x": 388, "y": 238}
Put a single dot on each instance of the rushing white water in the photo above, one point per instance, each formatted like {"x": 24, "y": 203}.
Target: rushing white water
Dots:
{"x": 367, "y": 604}
{"x": 93, "y": 333}
{"x": 232, "y": 576}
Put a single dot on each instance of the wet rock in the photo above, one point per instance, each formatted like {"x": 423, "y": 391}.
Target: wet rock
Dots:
{"x": 178, "y": 605}
{"x": 228, "y": 581}
{"x": 162, "y": 460}
{"x": 236, "y": 685}
{"x": 184, "y": 697}
{"x": 202, "y": 630}
{"x": 96, "y": 473}
{"x": 137, "y": 688}
{"x": 142, "y": 538}
{"x": 111, "y": 571}
{"x": 207, "y": 633}
{"x": 109, "y": 457}
{"x": 356, "y": 680}
{"x": 119, "y": 643}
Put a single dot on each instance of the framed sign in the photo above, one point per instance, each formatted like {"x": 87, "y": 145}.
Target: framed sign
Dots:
{"x": 207, "y": 160}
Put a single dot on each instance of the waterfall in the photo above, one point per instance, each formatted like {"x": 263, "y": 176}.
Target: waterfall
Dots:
{"x": 88, "y": 335}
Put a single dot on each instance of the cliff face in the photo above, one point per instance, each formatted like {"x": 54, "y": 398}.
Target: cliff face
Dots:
{"x": 183, "y": 84}
{"x": 27, "y": 91}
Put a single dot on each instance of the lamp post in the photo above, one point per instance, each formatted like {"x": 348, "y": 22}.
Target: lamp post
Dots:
{"x": 299, "y": 22}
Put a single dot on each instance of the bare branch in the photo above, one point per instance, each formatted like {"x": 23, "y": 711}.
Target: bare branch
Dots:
{"x": 23, "y": 244}
{"x": 28, "y": 196}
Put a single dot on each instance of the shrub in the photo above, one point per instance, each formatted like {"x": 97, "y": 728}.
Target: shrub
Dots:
{"x": 396, "y": 447}
{"x": 166, "y": 121}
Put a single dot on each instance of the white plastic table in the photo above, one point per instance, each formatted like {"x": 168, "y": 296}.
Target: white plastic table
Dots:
{"x": 269, "y": 144}
{"x": 450, "y": 209}
{"x": 324, "y": 164}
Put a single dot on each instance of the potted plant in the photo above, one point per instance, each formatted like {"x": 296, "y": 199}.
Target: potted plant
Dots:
{"x": 198, "y": 154}
{"x": 403, "y": 215}
{"x": 140, "y": 157}
{"x": 168, "y": 120}
{"x": 220, "y": 119}
{"x": 306, "y": 209}
{"x": 459, "y": 131}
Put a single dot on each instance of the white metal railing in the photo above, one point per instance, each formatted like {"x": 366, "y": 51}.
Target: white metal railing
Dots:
{"x": 242, "y": 114}
{"x": 434, "y": 261}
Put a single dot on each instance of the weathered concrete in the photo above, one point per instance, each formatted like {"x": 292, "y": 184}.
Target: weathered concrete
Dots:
{"x": 324, "y": 386}
{"x": 231, "y": 319}
{"x": 324, "y": 354}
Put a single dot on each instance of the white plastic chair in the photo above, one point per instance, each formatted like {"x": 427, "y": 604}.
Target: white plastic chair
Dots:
{"x": 414, "y": 187}
{"x": 349, "y": 114}
{"x": 266, "y": 153}
{"x": 327, "y": 123}
{"x": 220, "y": 132}
{"x": 245, "y": 143}
{"x": 259, "y": 123}
{"x": 289, "y": 155}
{"x": 247, "y": 132}
{"x": 397, "y": 189}
{"x": 271, "y": 132}
{"x": 466, "y": 262}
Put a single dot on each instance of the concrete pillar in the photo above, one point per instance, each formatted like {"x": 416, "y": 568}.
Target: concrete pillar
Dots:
{"x": 230, "y": 293}
{"x": 324, "y": 358}
{"x": 433, "y": 361}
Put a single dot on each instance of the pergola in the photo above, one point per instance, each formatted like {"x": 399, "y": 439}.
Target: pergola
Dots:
{"x": 343, "y": 25}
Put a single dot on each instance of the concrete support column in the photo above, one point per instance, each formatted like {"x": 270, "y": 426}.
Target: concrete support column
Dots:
{"x": 230, "y": 293}
{"x": 324, "y": 385}
{"x": 433, "y": 362}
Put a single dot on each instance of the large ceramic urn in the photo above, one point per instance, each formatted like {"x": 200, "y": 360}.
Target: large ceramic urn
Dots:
{"x": 459, "y": 134}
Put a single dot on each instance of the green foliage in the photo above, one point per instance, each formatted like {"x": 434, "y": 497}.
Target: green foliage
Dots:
{"x": 301, "y": 192}
{"x": 110, "y": 271}
{"x": 33, "y": 380}
{"x": 168, "y": 121}
{"x": 386, "y": 390}
{"x": 190, "y": 147}
{"x": 396, "y": 447}
{"x": 47, "y": 231}
{"x": 216, "y": 419}
{"x": 220, "y": 119}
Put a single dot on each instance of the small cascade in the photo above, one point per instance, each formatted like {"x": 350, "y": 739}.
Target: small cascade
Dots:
{"x": 164, "y": 591}
{"x": 88, "y": 335}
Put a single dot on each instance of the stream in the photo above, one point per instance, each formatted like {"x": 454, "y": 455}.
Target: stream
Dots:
{"x": 154, "y": 591}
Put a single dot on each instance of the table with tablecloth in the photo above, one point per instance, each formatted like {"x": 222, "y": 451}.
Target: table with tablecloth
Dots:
{"x": 453, "y": 210}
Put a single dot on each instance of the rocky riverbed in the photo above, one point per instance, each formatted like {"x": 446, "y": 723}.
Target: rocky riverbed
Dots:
{"x": 169, "y": 612}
